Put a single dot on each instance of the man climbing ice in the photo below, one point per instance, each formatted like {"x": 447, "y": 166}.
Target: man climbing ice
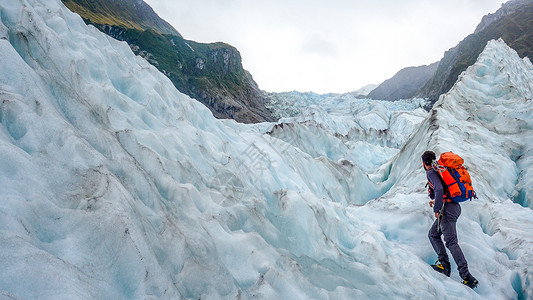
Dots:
{"x": 446, "y": 214}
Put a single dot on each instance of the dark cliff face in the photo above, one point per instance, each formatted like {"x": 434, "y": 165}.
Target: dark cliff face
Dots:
{"x": 210, "y": 73}
{"x": 513, "y": 23}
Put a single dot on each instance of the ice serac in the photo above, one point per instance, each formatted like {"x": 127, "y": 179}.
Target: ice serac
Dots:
{"x": 364, "y": 132}
{"x": 486, "y": 118}
{"x": 114, "y": 185}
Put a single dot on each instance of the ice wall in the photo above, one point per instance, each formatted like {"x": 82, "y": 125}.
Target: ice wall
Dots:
{"x": 115, "y": 185}
{"x": 364, "y": 132}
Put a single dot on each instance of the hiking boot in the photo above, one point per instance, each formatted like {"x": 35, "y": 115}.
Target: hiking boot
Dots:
{"x": 470, "y": 281}
{"x": 442, "y": 266}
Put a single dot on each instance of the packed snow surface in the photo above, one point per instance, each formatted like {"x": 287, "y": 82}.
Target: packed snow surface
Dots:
{"x": 114, "y": 185}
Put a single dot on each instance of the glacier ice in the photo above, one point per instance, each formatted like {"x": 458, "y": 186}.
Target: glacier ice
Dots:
{"x": 363, "y": 132}
{"x": 113, "y": 185}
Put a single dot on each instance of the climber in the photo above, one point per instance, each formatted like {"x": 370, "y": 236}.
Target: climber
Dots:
{"x": 446, "y": 214}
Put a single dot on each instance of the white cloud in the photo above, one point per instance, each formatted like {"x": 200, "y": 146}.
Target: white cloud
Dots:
{"x": 318, "y": 44}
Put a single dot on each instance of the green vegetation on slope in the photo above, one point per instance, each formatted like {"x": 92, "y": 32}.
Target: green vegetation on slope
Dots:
{"x": 127, "y": 14}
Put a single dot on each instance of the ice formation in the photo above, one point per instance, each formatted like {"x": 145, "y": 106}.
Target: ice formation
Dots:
{"x": 113, "y": 185}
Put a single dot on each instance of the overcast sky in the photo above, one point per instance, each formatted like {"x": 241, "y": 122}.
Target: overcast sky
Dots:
{"x": 327, "y": 46}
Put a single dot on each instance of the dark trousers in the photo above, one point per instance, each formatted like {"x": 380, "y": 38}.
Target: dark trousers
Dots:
{"x": 452, "y": 211}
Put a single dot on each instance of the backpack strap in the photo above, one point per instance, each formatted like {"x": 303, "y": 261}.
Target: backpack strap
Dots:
{"x": 446, "y": 195}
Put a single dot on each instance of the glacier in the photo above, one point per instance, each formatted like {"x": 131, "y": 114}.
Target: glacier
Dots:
{"x": 114, "y": 185}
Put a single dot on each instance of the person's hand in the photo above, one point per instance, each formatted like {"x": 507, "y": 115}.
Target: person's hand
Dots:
{"x": 431, "y": 203}
{"x": 437, "y": 215}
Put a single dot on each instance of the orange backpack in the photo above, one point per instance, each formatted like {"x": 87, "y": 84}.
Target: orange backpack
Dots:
{"x": 455, "y": 177}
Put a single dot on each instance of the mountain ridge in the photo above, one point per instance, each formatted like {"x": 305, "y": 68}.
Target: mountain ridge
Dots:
{"x": 507, "y": 8}
{"x": 139, "y": 15}
{"x": 404, "y": 84}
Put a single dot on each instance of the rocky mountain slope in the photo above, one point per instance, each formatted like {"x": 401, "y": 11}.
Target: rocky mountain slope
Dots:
{"x": 210, "y": 73}
{"x": 404, "y": 84}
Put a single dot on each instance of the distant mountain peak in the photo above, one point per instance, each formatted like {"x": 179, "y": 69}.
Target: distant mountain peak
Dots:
{"x": 404, "y": 84}
{"x": 365, "y": 90}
